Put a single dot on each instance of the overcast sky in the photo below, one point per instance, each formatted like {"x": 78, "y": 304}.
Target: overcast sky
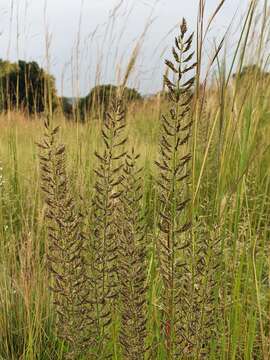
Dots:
{"x": 76, "y": 60}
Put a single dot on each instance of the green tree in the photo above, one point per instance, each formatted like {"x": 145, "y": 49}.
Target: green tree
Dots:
{"x": 26, "y": 86}
{"x": 67, "y": 106}
{"x": 98, "y": 100}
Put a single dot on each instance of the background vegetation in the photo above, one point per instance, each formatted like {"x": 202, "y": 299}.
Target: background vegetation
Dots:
{"x": 108, "y": 254}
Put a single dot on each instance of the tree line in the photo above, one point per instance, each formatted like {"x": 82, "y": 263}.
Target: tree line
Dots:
{"x": 27, "y": 87}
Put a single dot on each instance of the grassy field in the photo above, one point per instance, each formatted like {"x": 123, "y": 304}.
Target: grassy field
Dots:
{"x": 164, "y": 256}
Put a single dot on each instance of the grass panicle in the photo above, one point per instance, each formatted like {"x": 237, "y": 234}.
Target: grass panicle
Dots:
{"x": 105, "y": 228}
{"x": 203, "y": 288}
{"x": 173, "y": 191}
{"x": 132, "y": 263}
{"x": 65, "y": 249}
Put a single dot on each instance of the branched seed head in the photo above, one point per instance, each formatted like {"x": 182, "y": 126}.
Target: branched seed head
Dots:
{"x": 105, "y": 228}
{"x": 132, "y": 263}
{"x": 65, "y": 252}
{"x": 173, "y": 187}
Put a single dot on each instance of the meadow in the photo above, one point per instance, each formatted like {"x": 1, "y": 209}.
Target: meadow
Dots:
{"x": 144, "y": 234}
